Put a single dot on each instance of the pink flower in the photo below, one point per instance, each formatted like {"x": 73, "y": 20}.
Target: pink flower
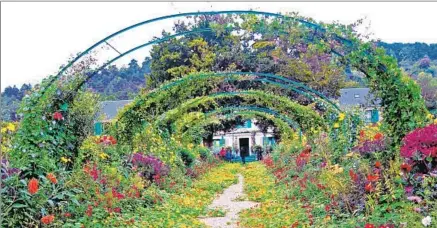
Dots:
{"x": 422, "y": 141}
{"x": 408, "y": 189}
{"x": 415, "y": 198}
{"x": 57, "y": 116}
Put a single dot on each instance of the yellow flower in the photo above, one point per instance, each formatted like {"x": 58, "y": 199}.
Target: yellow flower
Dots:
{"x": 351, "y": 154}
{"x": 103, "y": 155}
{"x": 65, "y": 160}
{"x": 430, "y": 116}
{"x": 435, "y": 121}
{"x": 341, "y": 116}
{"x": 337, "y": 169}
{"x": 336, "y": 125}
{"x": 11, "y": 127}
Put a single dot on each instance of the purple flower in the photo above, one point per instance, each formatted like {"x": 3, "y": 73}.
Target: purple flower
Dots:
{"x": 7, "y": 171}
{"x": 149, "y": 166}
{"x": 408, "y": 190}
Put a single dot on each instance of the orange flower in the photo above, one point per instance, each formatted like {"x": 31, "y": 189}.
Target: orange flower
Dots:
{"x": 52, "y": 178}
{"x": 372, "y": 178}
{"x": 406, "y": 167}
{"x": 32, "y": 187}
{"x": 369, "y": 187}
{"x": 47, "y": 219}
{"x": 353, "y": 175}
{"x": 378, "y": 136}
{"x": 377, "y": 164}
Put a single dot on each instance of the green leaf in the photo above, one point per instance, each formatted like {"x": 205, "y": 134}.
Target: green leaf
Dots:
{"x": 19, "y": 205}
{"x": 75, "y": 202}
{"x": 64, "y": 107}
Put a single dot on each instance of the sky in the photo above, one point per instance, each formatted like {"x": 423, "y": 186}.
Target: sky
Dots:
{"x": 37, "y": 38}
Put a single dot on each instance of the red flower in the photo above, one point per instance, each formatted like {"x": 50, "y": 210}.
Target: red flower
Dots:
{"x": 320, "y": 186}
{"x": 378, "y": 136}
{"x": 369, "y": 187}
{"x": 117, "y": 194}
{"x": 117, "y": 210}
{"x": 387, "y": 226}
{"x": 32, "y": 187}
{"x": 47, "y": 219}
{"x": 67, "y": 215}
{"x": 327, "y": 208}
{"x": 406, "y": 167}
{"x": 372, "y": 178}
{"x": 421, "y": 141}
{"x": 57, "y": 116}
{"x": 52, "y": 178}
{"x": 377, "y": 164}
{"x": 362, "y": 133}
{"x": 353, "y": 175}
{"x": 89, "y": 211}
{"x": 369, "y": 225}
{"x": 107, "y": 140}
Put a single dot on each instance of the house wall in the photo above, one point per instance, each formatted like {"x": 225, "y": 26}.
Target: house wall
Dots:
{"x": 232, "y": 138}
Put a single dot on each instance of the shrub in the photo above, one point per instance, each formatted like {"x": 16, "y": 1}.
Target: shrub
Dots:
{"x": 149, "y": 167}
{"x": 204, "y": 153}
{"x": 187, "y": 157}
{"x": 419, "y": 150}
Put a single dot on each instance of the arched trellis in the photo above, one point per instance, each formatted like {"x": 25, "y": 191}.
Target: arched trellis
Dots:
{"x": 302, "y": 115}
{"x": 381, "y": 71}
{"x": 231, "y": 109}
{"x": 105, "y": 40}
{"x": 228, "y": 110}
{"x": 273, "y": 79}
{"x": 285, "y": 125}
{"x": 82, "y": 80}
{"x": 157, "y": 101}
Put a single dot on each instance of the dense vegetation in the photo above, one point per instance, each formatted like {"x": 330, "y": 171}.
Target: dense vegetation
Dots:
{"x": 150, "y": 169}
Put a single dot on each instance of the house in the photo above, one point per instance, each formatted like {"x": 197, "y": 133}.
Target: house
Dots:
{"x": 362, "y": 99}
{"x": 244, "y": 137}
{"x": 108, "y": 111}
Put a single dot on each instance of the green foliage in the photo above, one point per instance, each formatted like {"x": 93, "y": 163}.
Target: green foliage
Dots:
{"x": 187, "y": 157}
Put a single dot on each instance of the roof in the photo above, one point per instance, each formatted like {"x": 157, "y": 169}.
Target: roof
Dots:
{"x": 357, "y": 97}
{"x": 110, "y": 109}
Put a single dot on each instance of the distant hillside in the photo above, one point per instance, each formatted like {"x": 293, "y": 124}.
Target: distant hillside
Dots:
{"x": 112, "y": 83}
{"x": 410, "y": 51}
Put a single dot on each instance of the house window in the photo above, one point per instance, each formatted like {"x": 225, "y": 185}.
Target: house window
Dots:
{"x": 372, "y": 116}
{"x": 247, "y": 124}
{"x": 356, "y": 96}
{"x": 216, "y": 143}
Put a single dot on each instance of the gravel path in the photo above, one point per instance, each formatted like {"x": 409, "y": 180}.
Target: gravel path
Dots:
{"x": 226, "y": 202}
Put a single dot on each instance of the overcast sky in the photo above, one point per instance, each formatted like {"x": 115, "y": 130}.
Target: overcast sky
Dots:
{"x": 36, "y": 38}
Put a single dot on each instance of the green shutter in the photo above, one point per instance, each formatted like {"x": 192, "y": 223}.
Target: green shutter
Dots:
{"x": 374, "y": 116}
{"x": 222, "y": 141}
{"x": 98, "y": 128}
{"x": 249, "y": 123}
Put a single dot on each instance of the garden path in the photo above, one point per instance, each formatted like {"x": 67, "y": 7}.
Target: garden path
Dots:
{"x": 228, "y": 201}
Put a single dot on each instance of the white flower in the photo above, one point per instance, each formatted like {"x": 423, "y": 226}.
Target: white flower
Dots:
{"x": 426, "y": 221}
